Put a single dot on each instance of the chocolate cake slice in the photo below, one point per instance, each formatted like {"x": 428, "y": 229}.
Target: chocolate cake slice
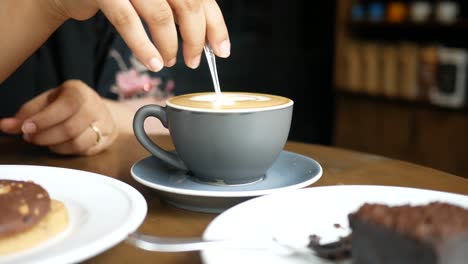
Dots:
{"x": 436, "y": 233}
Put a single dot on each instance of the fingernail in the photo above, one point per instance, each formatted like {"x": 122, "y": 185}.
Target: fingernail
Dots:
{"x": 171, "y": 62}
{"x": 224, "y": 49}
{"x": 29, "y": 127}
{"x": 195, "y": 62}
{"x": 155, "y": 64}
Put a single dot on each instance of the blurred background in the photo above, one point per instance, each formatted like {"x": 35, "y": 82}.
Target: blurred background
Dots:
{"x": 384, "y": 77}
{"x": 278, "y": 47}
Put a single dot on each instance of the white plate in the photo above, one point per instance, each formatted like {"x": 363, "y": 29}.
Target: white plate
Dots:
{"x": 102, "y": 211}
{"x": 293, "y": 216}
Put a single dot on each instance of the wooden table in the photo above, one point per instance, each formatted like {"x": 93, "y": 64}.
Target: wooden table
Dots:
{"x": 340, "y": 167}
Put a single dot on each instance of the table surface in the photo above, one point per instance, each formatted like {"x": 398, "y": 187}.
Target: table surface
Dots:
{"x": 341, "y": 167}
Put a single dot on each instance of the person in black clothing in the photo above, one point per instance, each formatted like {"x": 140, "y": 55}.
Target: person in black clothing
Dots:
{"x": 82, "y": 75}
{"x": 61, "y": 97}
{"x": 25, "y": 25}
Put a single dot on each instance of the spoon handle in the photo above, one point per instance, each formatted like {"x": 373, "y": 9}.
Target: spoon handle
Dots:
{"x": 335, "y": 250}
{"x": 211, "y": 58}
{"x": 170, "y": 244}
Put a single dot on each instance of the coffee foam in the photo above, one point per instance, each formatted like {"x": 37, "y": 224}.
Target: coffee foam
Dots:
{"x": 230, "y": 102}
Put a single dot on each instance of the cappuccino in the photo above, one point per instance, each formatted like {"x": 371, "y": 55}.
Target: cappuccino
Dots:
{"x": 230, "y": 102}
{"x": 230, "y": 141}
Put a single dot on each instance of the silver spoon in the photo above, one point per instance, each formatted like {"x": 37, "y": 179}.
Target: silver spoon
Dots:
{"x": 182, "y": 244}
{"x": 211, "y": 58}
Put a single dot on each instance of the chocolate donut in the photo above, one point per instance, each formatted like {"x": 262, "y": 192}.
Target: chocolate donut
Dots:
{"x": 22, "y": 205}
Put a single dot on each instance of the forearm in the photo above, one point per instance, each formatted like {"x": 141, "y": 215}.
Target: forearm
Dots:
{"x": 123, "y": 113}
{"x": 25, "y": 25}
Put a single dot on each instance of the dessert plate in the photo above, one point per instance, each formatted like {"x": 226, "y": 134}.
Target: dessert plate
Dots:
{"x": 102, "y": 212}
{"x": 176, "y": 187}
{"x": 293, "y": 216}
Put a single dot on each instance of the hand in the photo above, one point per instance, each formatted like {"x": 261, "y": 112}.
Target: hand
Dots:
{"x": 199, "y": 21}
{"x": 61, "y": 120}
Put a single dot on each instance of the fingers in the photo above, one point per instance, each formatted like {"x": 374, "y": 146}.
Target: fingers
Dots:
{"x": 77, "y": 145}
{"x": 87, "y": 143}
{"x": 125, "y": 19}
{"x": 66, "y": 130}
{"x": 192, "y": 26}
{"x": 63, "y": 124}
{"x": 13, "y": 125}
{"x": 37, "y": 104}
{"x": 69, "y": 100}
{"x": 158, "y": 15}
{"x": 199, "y": 21}
{"x": 75, "y": 135}
{"x": 216, "y": 30}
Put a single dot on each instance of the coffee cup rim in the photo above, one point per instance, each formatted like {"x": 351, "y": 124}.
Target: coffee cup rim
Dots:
{"x": 224, "y": 110}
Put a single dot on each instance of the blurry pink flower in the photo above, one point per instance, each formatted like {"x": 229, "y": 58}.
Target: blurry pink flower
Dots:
{"x": 131, "y": 82}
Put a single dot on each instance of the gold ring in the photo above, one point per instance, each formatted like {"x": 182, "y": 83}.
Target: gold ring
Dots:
{"x": 98, "y": 133}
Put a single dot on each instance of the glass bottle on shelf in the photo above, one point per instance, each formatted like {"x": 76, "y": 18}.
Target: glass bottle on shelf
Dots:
{"x": 397, "y": 11}
{"x": 447, "y": 11}
{"x": 376, "y": 11}
{"x": 420, "y": 11}
{"x": 358, "y": 11}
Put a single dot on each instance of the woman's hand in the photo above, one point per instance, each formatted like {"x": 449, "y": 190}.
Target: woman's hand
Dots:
{"x": 199, "y": 21}
{"x": 70, "y": 119}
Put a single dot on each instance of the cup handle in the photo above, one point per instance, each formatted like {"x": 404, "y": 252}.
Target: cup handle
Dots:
{"x": 139, "y": 129}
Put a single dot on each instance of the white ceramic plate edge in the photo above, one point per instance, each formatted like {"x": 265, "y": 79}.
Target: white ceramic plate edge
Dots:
{"x": 138, "y": 213}
{"x": 209, "y": 257}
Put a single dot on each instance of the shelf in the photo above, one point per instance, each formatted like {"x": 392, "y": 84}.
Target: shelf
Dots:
{"x": 419, "y": 103}
{"x": 450, "y": 34}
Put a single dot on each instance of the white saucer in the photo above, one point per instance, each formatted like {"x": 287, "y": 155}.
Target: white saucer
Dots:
{"x": 290, "y": 171}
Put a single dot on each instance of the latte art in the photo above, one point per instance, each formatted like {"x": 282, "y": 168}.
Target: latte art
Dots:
{"x": 230, "y": 102}
{"x": 229, "y": 99}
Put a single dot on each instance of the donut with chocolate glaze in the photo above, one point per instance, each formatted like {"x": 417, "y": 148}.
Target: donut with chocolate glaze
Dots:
{"x": 22, "y": 205}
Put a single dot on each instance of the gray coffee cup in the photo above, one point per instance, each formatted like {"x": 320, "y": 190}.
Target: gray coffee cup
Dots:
{"x": 219, "y": 147}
